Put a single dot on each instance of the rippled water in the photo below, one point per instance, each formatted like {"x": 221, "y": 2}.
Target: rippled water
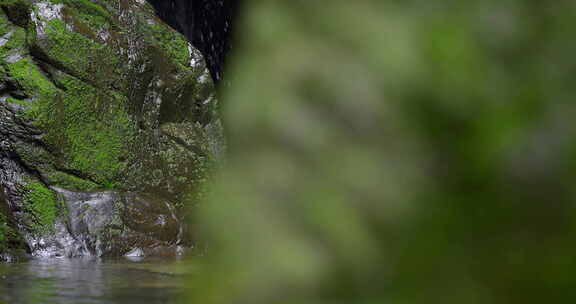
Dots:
{"x": 78, "y": 281}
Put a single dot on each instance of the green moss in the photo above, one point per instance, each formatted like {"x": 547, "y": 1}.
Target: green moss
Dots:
{"x": 16, "y": 41}
{"x": 88, "y": 11}
{"x": 21, "y": 69}
{"x": 41, "y": 203}
{"x": 16, "y": 101}
{"x": 91, "y": 129}
{"x": 171, "y": 42}
{"x": 72, "y": 50}
{"x": 71, "y": 182}
{"x": 30, "y": 78}
{"x": 34, "y": 156}
{"x": 80, "y": 53}
{"x": 38, "y": 158}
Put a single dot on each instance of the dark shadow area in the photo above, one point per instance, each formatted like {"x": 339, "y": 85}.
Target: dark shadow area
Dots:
{"x": 207, "y": 24}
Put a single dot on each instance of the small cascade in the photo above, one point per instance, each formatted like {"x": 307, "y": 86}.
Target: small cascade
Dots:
{"x": 111, "y": 223}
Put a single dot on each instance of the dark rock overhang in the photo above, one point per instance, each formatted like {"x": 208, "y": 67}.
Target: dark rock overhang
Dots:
{"x": 207, "y": 24}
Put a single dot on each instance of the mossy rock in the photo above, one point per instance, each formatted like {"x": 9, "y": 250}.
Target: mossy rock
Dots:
{"x": 99, "y": 96}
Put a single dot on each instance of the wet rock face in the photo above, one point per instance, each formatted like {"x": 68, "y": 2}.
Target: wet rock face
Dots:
{"x": 114, "y": 224}
{"x": 98, "y": 98}
{"x": 208, "y": 24}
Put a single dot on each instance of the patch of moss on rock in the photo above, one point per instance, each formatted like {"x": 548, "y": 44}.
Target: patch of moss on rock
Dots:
{"x": 41, "y": 203}
{"x": 171, "y": 42}
{"x": 78, "y": 54}
{"x": 89, "y": 127}
{"x": 94, "y": 15}
{"x": 28, "y": 76}
{"x": 71, "y": 182}
{"x": 15, "y": 41}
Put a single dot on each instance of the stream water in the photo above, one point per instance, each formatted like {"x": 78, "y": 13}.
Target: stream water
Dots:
{"x": 90, "y": 280}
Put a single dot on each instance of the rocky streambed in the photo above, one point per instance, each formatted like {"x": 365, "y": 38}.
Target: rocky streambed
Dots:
{"x": 108, "y": 128}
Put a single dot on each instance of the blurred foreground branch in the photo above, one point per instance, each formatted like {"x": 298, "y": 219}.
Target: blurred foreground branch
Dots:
{"x": 397, "y": 152}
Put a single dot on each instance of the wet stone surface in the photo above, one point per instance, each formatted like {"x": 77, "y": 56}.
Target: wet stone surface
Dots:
{"x": 113, "y": 224}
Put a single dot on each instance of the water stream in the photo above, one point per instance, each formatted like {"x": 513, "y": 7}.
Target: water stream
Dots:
{"x": 91, "y": 280}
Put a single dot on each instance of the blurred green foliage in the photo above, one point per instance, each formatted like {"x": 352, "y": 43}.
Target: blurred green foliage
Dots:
{"x": 397, "y": 152}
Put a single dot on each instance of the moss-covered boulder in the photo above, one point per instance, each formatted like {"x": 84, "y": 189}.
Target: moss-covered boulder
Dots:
{"x": 97, "y": 96}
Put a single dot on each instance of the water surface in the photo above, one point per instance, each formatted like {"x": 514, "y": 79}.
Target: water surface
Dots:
{"x": 91, "y": 280}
